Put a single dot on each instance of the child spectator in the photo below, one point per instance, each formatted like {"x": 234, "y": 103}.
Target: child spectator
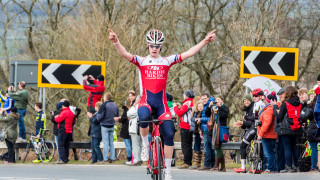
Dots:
{"x": 95, "y": 133}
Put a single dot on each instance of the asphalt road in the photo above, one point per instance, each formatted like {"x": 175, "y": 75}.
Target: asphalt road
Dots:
{"x": 121, "y": 172}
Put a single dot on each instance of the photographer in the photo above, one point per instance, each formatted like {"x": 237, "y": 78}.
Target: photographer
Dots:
{"x": 222, "y": 110}
{"x": 96, "y": 89}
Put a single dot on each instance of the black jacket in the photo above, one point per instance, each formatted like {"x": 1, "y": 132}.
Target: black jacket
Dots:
{"x": 124, "y": 132}
{"x": 283, "y": 118}
{"x": 312, "y": 128}
{"x": 249, "y": 117}
{"x": 223, "y": 114}
{"x": 55, "y": 124}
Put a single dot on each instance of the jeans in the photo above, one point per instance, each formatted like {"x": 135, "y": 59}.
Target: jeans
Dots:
{"x": 107, "y": 138}
{"x": 128, "y": 144}
{"x": 56, "y": 139}
{"x": 11, "y": 153}
{"x": 268, "y": 149}
{"x": 280, "y": 157}
{"x": 186, "y": 145}
{"x": 197, "y": 143}
{"x": 314, "y": 154}
{"x": 290, "y": 150}
{"x": 22, "y": 128}
{"x": 96, "y": 151}
{"x": 209, "y": 154}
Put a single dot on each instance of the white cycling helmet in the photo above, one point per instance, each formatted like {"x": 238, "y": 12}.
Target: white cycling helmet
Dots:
{"x": 155, "y": 37}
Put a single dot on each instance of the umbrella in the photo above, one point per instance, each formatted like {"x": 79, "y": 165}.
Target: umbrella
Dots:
{"x": 267, "y": 85}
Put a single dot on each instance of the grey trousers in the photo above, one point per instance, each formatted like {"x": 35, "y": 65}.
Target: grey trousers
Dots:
{"x": 136, "y": 147}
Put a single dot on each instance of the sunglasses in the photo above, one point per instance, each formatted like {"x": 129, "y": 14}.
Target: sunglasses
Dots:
{"x": 154, "y": 46}
{"x": 255, "y": 96}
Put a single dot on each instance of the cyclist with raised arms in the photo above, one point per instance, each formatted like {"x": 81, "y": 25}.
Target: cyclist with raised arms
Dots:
{"x": 153, "y": 78}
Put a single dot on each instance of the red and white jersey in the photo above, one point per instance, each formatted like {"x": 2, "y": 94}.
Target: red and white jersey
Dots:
{"x": 154, "y": 72}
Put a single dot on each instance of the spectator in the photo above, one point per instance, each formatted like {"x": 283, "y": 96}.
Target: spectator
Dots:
{"x": 263, "y": 99}
{"x": 55, "y": 124}
{"x": 223, "y": 112}
{"x": 185, "y": 115}
{"x": 312, "y": 95}
{"x": 209, "y": 155}
{"x": 96, "y": 90}
{"x": 134, "y": 133}
{"x": 95, "y": 133}
{"x": 246, "y": 124}
{"x": 21, "y": 102}
{"x": 76, "y": 111}
{"x": 41, "y": 120}
{"x": 124, "y": 132}
{"x": 196, "y": 129}
{"x": 10, "y": 130}
{"x": 8, "y": 102}
{"x": 312, "y": 129}
{"x": 267, "y": 134}
{"x": 107, "y": 115}
{"x": 65, "y": 127}
{"x": 279, "y": 148}
{"x": 290, "y": 127}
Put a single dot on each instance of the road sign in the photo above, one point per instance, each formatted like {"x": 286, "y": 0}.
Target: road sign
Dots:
{"x": 270, "y": 62}
{"x": 66, "y": 73}
{"x": 24, "y": 71}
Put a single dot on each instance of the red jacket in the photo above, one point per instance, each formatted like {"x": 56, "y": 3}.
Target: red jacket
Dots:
{"x": 266, "y": 130}
{"x": 96, "y": 90}
{"x": 65, "y": 120}
{"x": 188, "y": 103}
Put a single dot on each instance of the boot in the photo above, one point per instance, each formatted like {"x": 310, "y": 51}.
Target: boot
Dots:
{"x": 216, "y": 165}
{"x": 223, "y": 165}
{"x": 197, "y": 160}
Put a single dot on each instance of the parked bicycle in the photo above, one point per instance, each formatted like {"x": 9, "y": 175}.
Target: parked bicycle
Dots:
{"x": 44, "y": 149}
{"x": 254, "y": 151}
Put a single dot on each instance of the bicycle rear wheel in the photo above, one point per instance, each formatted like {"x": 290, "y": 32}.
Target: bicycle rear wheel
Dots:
{"x": 85, "y": 154}
{"x": 26, "y": 152}
{"x": 47, "y": 151}
{"x": 159, "y": 160}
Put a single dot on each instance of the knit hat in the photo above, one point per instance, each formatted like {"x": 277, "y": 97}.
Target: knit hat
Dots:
{"x": 100, "y": 77}
{"x": 272, "y": 96}
{"x": 59, "y": 105}
{"x": 169, "y": 97}
{"x": 247, "y": 97}
{"x": 189, "y": 93}
{"x": 318, "y": 79}
{"x": 281, "y": 91}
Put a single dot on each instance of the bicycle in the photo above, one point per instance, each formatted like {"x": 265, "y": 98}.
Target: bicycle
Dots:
{"x": 254, "y": 154}
{"x": 45, "y": 150}
{"x": 156, "y": 162}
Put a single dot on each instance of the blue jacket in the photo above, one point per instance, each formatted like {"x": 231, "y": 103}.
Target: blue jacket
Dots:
{"x": 8, "y": 103}
{"x": 317, "y": 111}
{"x": 204, "y": 118}
{"x": 107, "y": 112}
{"x": 40, "y": 122}
{"x": 95, "y": 130}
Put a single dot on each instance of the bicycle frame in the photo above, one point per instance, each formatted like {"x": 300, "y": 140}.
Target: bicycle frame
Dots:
{"x": 154, "y": 149}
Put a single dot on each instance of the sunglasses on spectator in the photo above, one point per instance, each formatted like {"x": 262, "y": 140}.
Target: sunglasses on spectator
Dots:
{"x": 132, "y": 92}
{"x": 155, "y": 46}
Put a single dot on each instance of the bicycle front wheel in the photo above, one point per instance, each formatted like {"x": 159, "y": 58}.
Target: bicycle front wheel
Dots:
{"x": 47, "y": 151}
{"x": 26, "y": 152}
{"x": 159, "y": 159}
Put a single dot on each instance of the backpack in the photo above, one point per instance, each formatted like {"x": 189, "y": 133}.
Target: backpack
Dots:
{"x": 294, "y": 113}
{"x": 187, "y": 117}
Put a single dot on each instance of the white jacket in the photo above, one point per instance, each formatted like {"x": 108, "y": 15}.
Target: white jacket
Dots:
{"x": 133, "y": 122}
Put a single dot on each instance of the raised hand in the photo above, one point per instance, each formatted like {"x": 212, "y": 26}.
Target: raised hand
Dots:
{"x": 112, "y": 36}
{"x": 210, "y": 37}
